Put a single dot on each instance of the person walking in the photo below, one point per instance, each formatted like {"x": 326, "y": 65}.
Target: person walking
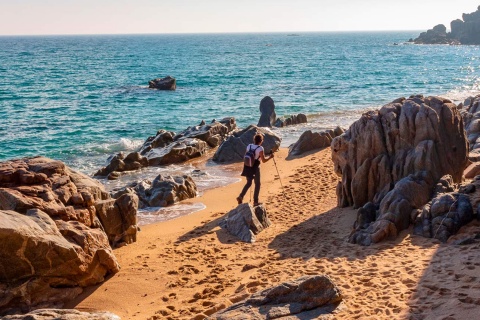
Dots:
{"x": 252, "y": 173}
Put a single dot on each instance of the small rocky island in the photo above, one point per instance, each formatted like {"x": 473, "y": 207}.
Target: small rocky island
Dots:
{"x": 466, "y": 31}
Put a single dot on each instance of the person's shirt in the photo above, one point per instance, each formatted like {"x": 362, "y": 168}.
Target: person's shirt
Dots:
{"x": 257, "y": 149}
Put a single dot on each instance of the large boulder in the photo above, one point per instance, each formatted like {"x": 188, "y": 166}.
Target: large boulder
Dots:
{"x": 308, "y": 297}
{"x": 234, "y": 147}
{"x": 167, "y": 83}
{"x": 54, "y": 243}
{"x": 246, "y": 221}
{"x": 313, "y": 140}
{"x": 471, "y": 118}
{"x": 422, "y": 137}
{"x": 162, "y": 192}
{"x": 268, "y": 116}
{"x": 63, "y": 314}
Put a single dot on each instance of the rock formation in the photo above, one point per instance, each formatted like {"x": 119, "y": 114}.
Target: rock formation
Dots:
{"x": 314, "y": 140}
{"x": 167, "y": 83}
{"x": 292, "y": 120}
{"x": 394, "y": 157}
{"x": 245, "y": 222}
{"x": 167, "y": 147}
{"x": 268, "y": 115}
{"x": 233, "y": 148}
{"x": 162, "y": 192}
{"x": 53, "y": 232}
{"x": 308, "y": 297}
{"x": 63, "y": 314}
{"x": 466, "y": 31}
{"x": 471, "y": 118}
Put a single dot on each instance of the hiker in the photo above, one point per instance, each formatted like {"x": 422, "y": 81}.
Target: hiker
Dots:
{"x": 252, "y": 170}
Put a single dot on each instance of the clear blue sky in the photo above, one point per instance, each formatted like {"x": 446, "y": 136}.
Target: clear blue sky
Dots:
{"x": 26, "y": 17}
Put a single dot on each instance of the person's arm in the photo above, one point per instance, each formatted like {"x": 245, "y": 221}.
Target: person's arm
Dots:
{"x": 262, "y": 156}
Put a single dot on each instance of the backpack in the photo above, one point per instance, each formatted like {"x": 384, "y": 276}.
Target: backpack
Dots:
{"x": 249, "y": 158}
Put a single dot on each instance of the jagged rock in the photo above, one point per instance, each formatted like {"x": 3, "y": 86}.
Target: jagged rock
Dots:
{"x": 313, "y": 140}
{"x": 162, "y": 192}
{"x": 45, "y": 262}
{"x": 462, "y": 32}
{"x": 471, "y": 118}
{"x": 167, "y": 147}
{"x": 419, "y": 136}
{"x": 167, "y": 83}
{"x": 233, "y": 149}
{"x": 308, "y": 297}
{"x": 63, "y": 314}
{"x": 268, "y": 116}
{"x": 245, "y": 222}
{"x": 292, "y": 120}
{"x": 51, "y": 209}
{"x": 472, "y": 170}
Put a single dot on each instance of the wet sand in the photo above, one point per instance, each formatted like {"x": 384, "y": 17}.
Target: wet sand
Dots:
{"x": 188, "y": 268}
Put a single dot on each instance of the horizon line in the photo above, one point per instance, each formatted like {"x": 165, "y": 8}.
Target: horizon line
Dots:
{"x": 204, "y": 33}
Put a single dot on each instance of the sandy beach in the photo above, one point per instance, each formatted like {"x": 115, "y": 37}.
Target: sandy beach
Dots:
{"x": 188, "y": 268}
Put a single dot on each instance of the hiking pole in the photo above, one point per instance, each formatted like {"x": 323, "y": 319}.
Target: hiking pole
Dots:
{"x": 278, "y": 173}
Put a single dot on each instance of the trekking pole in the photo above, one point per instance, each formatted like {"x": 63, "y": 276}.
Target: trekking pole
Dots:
{"x": 278, "y": 173}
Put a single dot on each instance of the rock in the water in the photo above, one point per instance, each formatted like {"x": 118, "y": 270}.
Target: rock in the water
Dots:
{"x": 233, "y": 149}
{"x": 63, "y": 314}
{"x": 119, "y": 163}
{"x": 466, "y": 31}
{"x": 54, "y": 243}
{"x": 292, "y": 120}
{"x": 167, "y": 83}
{"x": 305, "y": 298}
{"x": 268, "y": 116}
{"x": 162, "y": 192}
{"x": 405, "y": 137}
{"x": 313, "y": 140}
{"x": 245, "y": 222}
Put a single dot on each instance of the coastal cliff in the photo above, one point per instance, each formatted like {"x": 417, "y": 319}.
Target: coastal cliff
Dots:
{"x": 466, "y": 31}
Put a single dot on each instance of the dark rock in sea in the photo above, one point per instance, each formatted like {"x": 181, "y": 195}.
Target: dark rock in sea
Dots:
{"x": 176, "y": 152}
{"x": 292, "y": 120}
{"x": 466, "y": 31}
{"x": 309, "y": 297}
{"x": 408, "y": 145}
{"x": 313, "y": 140}
{"x": 233, "y": 149}
{"x": 63, "y": 314}
{"x": 162, "y": 192}
{"x": 162, "y": 139}
{"x": 52, "y": 235}
{"x": 167, "y": 83}
{"x": 246, "y": 221}
{"x": 268, "y": 116}
{"x": 120, "y": 163}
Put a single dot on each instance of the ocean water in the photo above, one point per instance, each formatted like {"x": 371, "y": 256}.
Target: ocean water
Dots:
{"x": 80, "y": 99}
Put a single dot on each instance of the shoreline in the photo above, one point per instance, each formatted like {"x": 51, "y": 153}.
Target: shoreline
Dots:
{"x": 188, "y": 268}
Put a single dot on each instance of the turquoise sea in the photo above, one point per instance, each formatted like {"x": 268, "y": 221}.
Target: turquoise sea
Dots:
{"x": 80, "y": 99}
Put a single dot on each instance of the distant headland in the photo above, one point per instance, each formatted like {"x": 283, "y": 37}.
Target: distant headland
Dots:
{"x": 466, "y": 31}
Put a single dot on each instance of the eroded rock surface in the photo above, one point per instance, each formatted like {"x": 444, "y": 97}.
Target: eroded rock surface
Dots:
{"x": 233, "y": 148}
{"x": 268, "y": 115}
{"x": 292, "y": 120}
{"x": 410, "y": 142}
{"x": 162, "y": 191}
{"x": 305, "y": 298}
{"x": 52, "y": 233}
{"x": 314, "y": 140}
{"x": 63, "y": 314}
{"x": 167, "y": 83}
{"x": 246, "y": 221}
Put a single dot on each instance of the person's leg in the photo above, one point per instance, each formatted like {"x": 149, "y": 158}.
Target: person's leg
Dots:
{"x": 245, "y": 188}
{"x": 256, "y": 193}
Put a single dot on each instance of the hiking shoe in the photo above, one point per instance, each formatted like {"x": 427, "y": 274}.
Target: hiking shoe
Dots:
{"x": 256, "y": 204}
{"x": 239, "y": 200}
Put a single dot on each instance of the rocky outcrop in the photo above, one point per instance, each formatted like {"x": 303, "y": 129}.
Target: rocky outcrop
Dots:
{"x": 466, "y": 31}
{"x": 394, "y": 157}
{"x": 63, "y": 314}
{"x": 268, "y": 115}
{"x": 246, "y": 221}
{"x": 162, "y": 192}
{"x": 308, "y": 297}
{"x": 167, "y": 147}
{"x": 167, "y": 83}
{"x": 54, "y": 243}
{"x": 314, "y": 140}
{"x": 471, "y": 118}
{"x": 234, "y": 147}
{"x": 292, "y": 120}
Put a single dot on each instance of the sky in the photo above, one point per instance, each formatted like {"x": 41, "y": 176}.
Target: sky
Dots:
{"x": 39, "y": 17}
